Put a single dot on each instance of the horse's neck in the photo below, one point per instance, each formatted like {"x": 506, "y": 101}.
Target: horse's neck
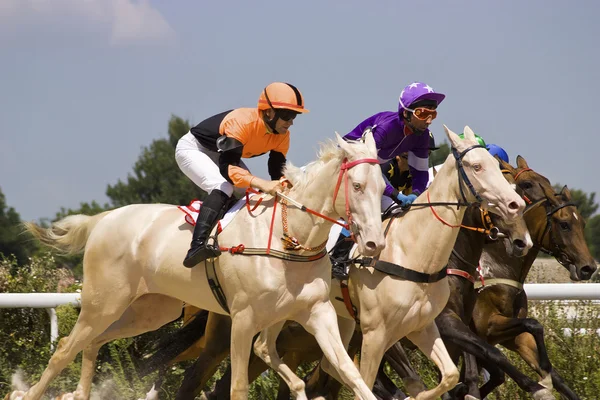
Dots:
{"x": 426, "y": 243}
{"x": 317, "y": 195}
{"x": 469, "y": 244}
{"x": 497, "y": 263}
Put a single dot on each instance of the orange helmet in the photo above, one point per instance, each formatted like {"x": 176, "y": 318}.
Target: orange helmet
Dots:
{"x": 281, "y": 95}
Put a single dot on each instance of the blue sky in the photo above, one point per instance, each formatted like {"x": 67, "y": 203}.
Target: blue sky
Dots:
{"x": 87, "y": 83}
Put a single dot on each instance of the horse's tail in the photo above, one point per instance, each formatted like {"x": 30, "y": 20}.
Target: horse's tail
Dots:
{"x": 69, "y": 235}
{"x": 171, "y": 346}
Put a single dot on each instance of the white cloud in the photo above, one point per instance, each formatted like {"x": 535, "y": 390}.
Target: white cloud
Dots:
{"x": 124, "y": 22}
{"x": 135, "y": 21}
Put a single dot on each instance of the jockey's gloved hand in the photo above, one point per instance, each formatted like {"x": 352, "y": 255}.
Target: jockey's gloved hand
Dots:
{"x": 404, "y": 200}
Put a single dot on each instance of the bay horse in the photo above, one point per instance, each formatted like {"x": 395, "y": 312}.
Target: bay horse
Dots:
{"x": 133, "y": 266}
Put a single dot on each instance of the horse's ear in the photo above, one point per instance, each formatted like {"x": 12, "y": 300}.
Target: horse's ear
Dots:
{"x": 505, "y": 165}
{"x": 521, "y": 163}
{"x": 342, "y": 143}
{"x": 452, "y": 137}
{"x": 370, "y": 141}
{"x": 566, "y": 193}
{"x": 549, "y": 194}
{"x": 469, "y": 133}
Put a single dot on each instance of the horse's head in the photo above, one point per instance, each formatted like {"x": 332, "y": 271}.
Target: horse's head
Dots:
{"x": 519, "y": 239}
{"x": 360, "y": 193}
{"x": 480, "y": 178}
{"x": 560, "y": 226}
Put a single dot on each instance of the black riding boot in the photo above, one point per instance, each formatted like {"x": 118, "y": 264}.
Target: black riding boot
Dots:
{"x": 340, "y": 253}
{"x": 207, "y": 218}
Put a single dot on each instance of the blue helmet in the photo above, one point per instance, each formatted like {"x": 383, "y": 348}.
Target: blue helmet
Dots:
{"x": 496, "y": 150}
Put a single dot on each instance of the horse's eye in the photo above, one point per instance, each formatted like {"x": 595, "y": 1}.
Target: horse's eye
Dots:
{"x": 357, "y": 186}
{"x": 526, "y": 185}
{"x": 477, "y": 167}
{"x": 565, "y": 226}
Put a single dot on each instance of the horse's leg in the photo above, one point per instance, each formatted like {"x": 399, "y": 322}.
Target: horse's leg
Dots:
{"x": 430, "y": 343}
{"x": 291, "y": 359}
{"x": 215, "y": 346}
{"x": 373, "y": 347}
{"x": 384, "y": 388}
{"x": 242, "y": 332}
{"x": 321, "y": 321}
{"x": 95, "y": 317}
{"x": 471, "y": 378}
{"x": 502, "y": 329}
{"x": 525, "y": 345}
{"x": 145, "y": 314}
{"x": 455, "y": 331}
{"x": 346, "y": 329}
{"x": 264, "y": 347}
{"x": 398, "y": 360}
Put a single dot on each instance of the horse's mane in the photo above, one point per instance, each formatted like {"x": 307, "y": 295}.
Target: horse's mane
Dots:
{"x": 328, "y": 151}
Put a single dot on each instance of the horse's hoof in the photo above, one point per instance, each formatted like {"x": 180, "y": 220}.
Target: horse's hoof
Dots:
{"x": 469, "y": 397}
{"x": 543, "y": 394}
{"x": 16, "y": 395}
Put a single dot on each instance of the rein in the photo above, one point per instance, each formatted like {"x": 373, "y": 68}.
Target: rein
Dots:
{"x": 344, "y": 175}
{"x": 415, "y": 276}
{"x": 289, "y": 242}
{"x": 555, "y": 252}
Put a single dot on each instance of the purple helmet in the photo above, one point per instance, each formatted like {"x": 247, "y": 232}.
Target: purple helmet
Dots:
{"x": 417, "y": 91}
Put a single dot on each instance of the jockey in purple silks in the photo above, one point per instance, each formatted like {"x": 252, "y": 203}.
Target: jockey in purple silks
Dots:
{"x": 396, "y": 132}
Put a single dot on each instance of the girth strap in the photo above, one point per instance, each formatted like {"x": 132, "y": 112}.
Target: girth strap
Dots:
{"x": 499, "y": 281}
{"x": 215, "y": 286}
{"x": 408, "y": 274}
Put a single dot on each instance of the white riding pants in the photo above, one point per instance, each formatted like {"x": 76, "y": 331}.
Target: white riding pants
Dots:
{"x": 201, "y": 165}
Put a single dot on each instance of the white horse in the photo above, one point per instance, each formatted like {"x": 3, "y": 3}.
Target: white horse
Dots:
{"x": 392, "y": 307}
{"x": 133, "y": 260}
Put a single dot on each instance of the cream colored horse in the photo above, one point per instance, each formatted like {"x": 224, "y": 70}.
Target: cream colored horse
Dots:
{"x": 390, "y": 307}
{"x": 133, "y": 259}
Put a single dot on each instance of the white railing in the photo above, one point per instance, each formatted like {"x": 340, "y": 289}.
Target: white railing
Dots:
{"x": 562, "y": 291}
{"x": 49, "y": 301}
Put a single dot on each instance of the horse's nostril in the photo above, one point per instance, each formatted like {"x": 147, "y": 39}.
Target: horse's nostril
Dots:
{"x": 513, "y": 205}
{"x": 371, "y": 245}
{"x": 519, "y": 244}
{"x": 585, "y": 273}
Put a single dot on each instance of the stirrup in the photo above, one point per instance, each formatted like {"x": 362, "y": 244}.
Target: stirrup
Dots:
{"x": 200, "y": 254}
{"x": 338, "y": 271}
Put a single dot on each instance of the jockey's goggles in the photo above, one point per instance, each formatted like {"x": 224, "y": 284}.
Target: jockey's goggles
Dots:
{"x": 286, "y": 115}
{"x": 423, "y": 113}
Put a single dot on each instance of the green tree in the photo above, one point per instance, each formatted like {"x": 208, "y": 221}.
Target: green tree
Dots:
{"x": 439, "y": 156}
{"x": 586, "y": 203}
{"x": 12, "y": 239}
{"x": 592, "y": 236}
{"x": 156, "y": 178}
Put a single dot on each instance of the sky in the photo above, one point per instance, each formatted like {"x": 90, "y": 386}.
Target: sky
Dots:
{"x": 85, "y": 85}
